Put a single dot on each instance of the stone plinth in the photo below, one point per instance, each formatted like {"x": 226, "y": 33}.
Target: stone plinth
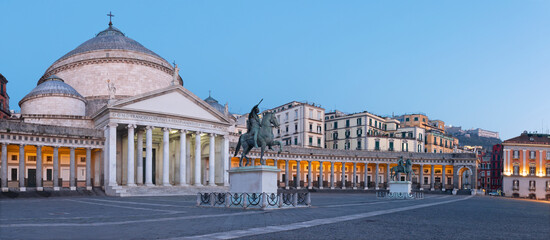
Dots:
{"x": 400, "y": 186}
{"x": 253, "y": 179}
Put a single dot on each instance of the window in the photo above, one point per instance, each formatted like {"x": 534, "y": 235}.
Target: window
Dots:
{"x": 547, "y": 185}
{"x": 370, "y": 121}
{"x": 532, "y": 185}
{"x": 359, "y": 132}
{"x": 319, "y": 115}
{"x": 406, "y": 119}
{"x": 348, "y": 133}
{"x": 295, "y": 127}
{"x": 532, "y": 170}
{"x": 310, "y": 141}
{"x": 319, "y": 142}
{"x": 286, "y": 129}
{"x": 390, "y": 148}
{"x": 423, "y": 119}
{"x": 335, "y": 125}
{"x": 295, "y": 141}
{"x": 347, "y": 145}
{"x": 375, "y": 123}
{"x": 516, "y": 154}
{"x": 435, "y": 140}
{"x": 14, "y": 157}
{"x": 425, "y": 180}
{"x": 532, "y": 154}
{"x": 419, "y": 148}
{"x": 335, "y": 146}
{"x": 547, "y": 155}
{"x": 286, "y": 117}
{"x": 49, "y": 158}
{"x": 319, "y": 129}
{"x": 416, "y": 119}
{"x": 31, "y": 158}
{"x": 49, "y": 174}
{"x": 1, "y": 105}
{"x": 515, "y": 185}
{"x": 377, "y": 145}
{"x": 82, "y": 159}
{"x": 404, "y": 147}
{"x": 310, "y": 113}
{"x": 310, "y": 127}
{"x": 347, "y": 122}
{"x": 420, "y": 136}
{"x": 359, "y": 145}
{"x": 516, "y": 169}
{"x": 296, "y": 114}
{"x": 335, "y": 135}
{"x": 359, "y": 121}
{"x": 548, "y": 170}
{"x": 14, "y": 174}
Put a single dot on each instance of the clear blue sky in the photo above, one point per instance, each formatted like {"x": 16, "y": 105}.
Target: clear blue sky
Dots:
{"x": 469, "y": 63}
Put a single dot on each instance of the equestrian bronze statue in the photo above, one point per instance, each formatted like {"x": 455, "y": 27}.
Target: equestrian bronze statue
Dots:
{"x": 402, "y": 167}
{"x": 259, "y": 134}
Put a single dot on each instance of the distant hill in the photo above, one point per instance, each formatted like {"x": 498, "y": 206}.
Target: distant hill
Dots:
{"x": 474, "y": 140}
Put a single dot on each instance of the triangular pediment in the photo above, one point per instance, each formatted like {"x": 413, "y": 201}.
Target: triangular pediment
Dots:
{"x": 175, "y": 101}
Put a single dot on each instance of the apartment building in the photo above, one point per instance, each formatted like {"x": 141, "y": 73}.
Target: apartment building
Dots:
{"x": 302, "y": 124}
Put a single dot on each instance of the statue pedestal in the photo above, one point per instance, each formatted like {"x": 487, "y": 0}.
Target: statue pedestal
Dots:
{"x": 400, "y": 186}
{"x": 253, "y": 179}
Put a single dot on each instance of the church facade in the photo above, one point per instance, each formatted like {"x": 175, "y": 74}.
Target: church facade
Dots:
{"x": 114, "y": 114}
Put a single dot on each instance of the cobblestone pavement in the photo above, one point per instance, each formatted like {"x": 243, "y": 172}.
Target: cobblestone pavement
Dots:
{"x": 332, "y": 216}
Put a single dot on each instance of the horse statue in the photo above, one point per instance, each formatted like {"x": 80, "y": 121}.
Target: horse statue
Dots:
{"x": 402, "y": 168}
{"x": 264, "y": 136}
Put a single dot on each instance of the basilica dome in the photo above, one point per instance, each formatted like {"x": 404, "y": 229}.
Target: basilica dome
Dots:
{"x": 112, "y": 56}
{"x": 53, "y": 97}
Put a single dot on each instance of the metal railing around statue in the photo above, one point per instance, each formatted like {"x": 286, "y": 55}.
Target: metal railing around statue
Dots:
{"x": 399, "y": 195}
{"x": 254, "y": 200}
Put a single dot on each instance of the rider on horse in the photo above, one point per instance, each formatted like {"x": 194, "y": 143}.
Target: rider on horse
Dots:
{"x": 253, "y": 125}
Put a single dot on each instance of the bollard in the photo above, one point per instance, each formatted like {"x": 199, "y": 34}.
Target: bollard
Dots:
{"x": 212, "y": 199}
{"x": 280, "y": 198}
{"x": 198, "y": 199}
{"x": 245, "y": 200}
{"x": 308, "y": 199}
{"x": 264, "y": 201}
{"x": 295, "y": 199}
{"x": 227, "y": 199}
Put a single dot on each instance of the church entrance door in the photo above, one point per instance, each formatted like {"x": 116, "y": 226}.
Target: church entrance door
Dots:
{"x": 31, "y": 180}
{"x": 154, "y": 165}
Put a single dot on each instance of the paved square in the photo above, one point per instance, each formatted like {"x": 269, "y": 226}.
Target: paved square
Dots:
{"x": 332, "y": 216}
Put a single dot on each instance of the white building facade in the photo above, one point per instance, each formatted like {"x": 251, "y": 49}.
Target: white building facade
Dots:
{"x": 302, "y": 124}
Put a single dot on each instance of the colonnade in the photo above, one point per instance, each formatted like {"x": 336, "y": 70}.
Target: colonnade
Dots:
{"x": 184, "y": 148}
{"x": 22, "y": 167}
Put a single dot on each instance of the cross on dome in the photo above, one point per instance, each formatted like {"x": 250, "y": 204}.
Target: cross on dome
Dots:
{"x": 110, "y": 16}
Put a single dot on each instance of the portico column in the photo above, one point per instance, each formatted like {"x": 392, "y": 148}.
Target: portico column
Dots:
{"x": 212, "y": 160}
{"x": 455, "y": 177}
{"x": 198, "y": 159}
{"x": 165, "y": 157}
{"x": 443, "y": 178}
{"x": 298, "y": 174}
{"x": 432, "y": 179}
{"x": 331, "y": 175}
{"x": 56, "y": 168}
{"x": 226, "y": 160}
{"x": 4, "y": 167}
{"x": 183, "y": 153}
{"x": 421, "y": 180}
{"x": 320, "y": 175}
{"x": 387, "y": 176}
{"x": 72, "y": 182}
{"x": 39, "y": 168}
{"x": 286, "y": 174}
{"x": 130, "y": 175}
{"x": 112, "y": 154}
{"x": 376, "y": 181}
{"x": 149, "y": 156}
{"x": 22, "y": 168}
{"x": 88, "y": 169}
{"x": 343, "y": 175}
{"x": 139, "y": 168}
{"x": 366, "y": 177}
{"x": 354, "y": 181}
{"x": 310, "y": 177}
{"x": 541, "y": 167}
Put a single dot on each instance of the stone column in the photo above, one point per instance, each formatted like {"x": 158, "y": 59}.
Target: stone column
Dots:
{"x": 298, "y": 174}
{"x": 387, "y": 176}
{"x": 139, "y": 168}
{"x": 421, "y": 180}
{"x": 39, "y": 168}
{"x": 104, "y": 163}
{"x": 56, "y": 168}
{"x": 165, "y": 157}
{"x": 354, "y": 181}
{"x": 88, "y": 169}
{"x": 287, "y": 176}
{"x": 72, "y": 177}
{"x": 320, "y": 175}
{"x": 183, "y": 154}
{"x": 376, "y": 181}
{"x": 22, "y": 168}
{"x": 149, "y": 156}
{"x": 343, "y": 175}
{"x": 112, "y": 154}
{"x": 331, "y": 175}
{"x": 432, "y": 178}
{"x": 198, "y": 159}
{"x": 443, "y": 178}
{"x": 366, "y": 177}
{"x": 310, "y": 177}
{"x": 227, "y": 160}
{"x": 130, "y": 165}
{"x": 455, "y": 177}
{"x": 5, "y": 167}
{"x": 212, "y": 160}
